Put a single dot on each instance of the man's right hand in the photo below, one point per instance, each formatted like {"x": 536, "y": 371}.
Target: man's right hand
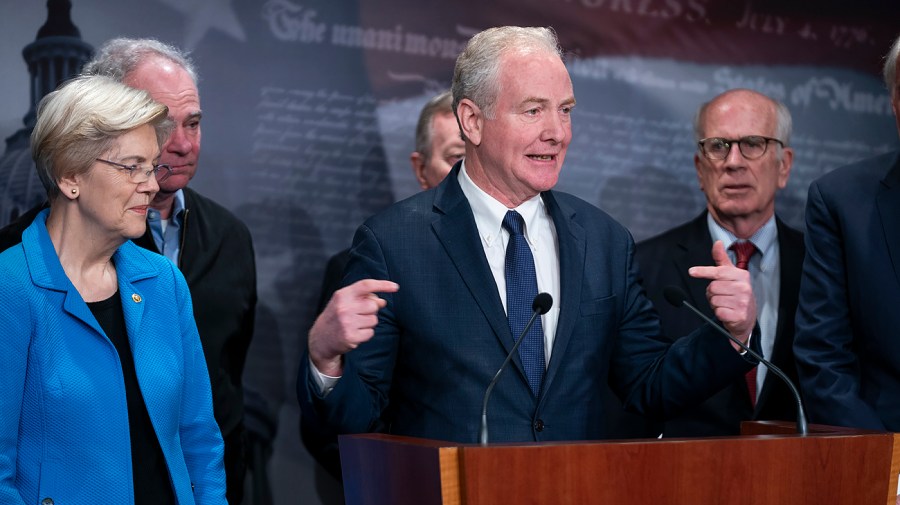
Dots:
{"x": 348, "y": 320}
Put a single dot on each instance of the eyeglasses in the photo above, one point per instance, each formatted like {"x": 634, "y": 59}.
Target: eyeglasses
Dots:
{"x": 140, "y": 174}
{"x": 751, "y": 147}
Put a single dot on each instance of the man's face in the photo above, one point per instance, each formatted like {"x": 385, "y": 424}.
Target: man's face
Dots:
{"x": 522, "y": 148}
{"x": 737, "y": 188}
{"x": 172, "y": 86}
{"x": 447, "y": 148}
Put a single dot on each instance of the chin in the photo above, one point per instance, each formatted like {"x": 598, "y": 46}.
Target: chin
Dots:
{"x": 174, "y": 183}
{"x": 134, "y": 231}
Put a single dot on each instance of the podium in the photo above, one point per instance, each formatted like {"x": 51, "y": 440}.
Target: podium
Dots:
{"x": 767, "y": 464}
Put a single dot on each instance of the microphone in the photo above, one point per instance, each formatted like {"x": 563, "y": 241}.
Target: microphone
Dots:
{"x": 540, "y": 306}
{"x": 676, "y": 297}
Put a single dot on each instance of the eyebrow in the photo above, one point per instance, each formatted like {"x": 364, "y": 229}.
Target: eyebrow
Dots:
{"x": 136, "y": 157}
{"x": 194, "y": 115}
{"x": 534, "y": 99}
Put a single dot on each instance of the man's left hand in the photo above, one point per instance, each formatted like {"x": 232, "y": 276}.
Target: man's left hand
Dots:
{"x": 730, "y": 293}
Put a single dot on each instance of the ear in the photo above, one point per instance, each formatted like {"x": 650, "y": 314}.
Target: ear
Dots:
{"x": 784, "y": 167}
{"x": 471, "y": 120}
{"x": 69, "y": 187}
{"x": 417, "y": 160}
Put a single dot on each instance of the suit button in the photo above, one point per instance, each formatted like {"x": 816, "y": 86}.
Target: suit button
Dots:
{"x": 47, "y": 501}
{"x": 539, "y": 425}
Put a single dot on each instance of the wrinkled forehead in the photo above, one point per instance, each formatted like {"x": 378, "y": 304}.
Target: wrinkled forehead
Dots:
{"x": 747, "y": 113}
{"x": 166, "y": 82}
{"x": 538, "y": 74}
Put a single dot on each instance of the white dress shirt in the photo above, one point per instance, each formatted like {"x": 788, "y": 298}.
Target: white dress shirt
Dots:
{"x": 540, "y": 233}
{"x": 765, "y": 276}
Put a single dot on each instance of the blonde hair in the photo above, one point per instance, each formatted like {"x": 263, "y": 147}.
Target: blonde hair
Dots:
{"x": 82, "y": 119}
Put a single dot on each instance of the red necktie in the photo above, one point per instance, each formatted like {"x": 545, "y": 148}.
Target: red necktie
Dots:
{"x": 744, "y": 251}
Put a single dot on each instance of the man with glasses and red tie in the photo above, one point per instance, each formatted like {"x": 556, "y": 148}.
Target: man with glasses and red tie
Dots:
{"x": 742, "y": 160}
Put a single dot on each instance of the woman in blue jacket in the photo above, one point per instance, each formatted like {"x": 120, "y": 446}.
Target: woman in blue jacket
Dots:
{"x": 104, "y": 391}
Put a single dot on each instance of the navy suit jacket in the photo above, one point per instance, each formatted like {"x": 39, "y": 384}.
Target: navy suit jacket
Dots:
{"x": 848, "y": 322}
{"x": 664, "y": 261}
{"x": 442, "y": 336}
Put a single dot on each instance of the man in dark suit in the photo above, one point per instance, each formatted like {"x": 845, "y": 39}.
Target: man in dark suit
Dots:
{"x": 209, "y": 244}
{"x": 847, "y": 346}
{"x": 458, "y": 268}
{"x": 742, "y": 160}
{"x": 438, "y": 146}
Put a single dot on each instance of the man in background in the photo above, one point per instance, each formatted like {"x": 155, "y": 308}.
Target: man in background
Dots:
{"x": 211, "y": 247}
{"x": 847, "y": 346}
{"x": 438, "y": 147}
{"x": 742, "y": 161}
{"x": 438, "y": 142}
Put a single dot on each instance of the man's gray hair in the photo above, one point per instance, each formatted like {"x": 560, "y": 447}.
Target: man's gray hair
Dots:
{"x": 476, "y": 75}
{"x": 118, "y": 57}
{"x": 439, "y": 104}
{"x": 783, "y": 121}
{"x": 890, "y": 67}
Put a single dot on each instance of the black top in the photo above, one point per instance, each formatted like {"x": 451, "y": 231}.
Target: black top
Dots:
{"x": 152, "y": 485}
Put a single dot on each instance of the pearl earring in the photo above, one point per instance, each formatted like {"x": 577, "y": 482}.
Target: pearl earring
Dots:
{"x": 74, "y": 191}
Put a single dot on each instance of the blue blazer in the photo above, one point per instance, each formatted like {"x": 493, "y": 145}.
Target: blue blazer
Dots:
{"x": 442, "y": 337}
{"x": 64, "y": 429}
{"x": 847, "y": 343}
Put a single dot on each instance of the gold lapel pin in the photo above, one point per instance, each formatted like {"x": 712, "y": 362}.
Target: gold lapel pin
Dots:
{"x": 136, "y": 297}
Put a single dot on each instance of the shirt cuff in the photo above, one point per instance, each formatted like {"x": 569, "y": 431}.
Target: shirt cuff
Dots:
{"x": 740, "y": 353}
{"x": 326, "y": 383}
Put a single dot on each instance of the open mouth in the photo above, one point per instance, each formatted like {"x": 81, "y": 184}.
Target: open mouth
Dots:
{"x": 542, "y": 157}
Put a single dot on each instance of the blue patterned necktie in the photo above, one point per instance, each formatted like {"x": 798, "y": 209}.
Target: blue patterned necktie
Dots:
{"x": 521, "y": 288}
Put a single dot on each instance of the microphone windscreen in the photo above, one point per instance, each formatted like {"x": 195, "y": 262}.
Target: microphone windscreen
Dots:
{"x": 674, "y": 295}
{"x": 542, "y": 303}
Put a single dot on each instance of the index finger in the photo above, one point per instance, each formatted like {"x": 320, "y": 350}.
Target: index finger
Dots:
{"x": 367, "y": 286}
{"x": 722, "y": 260}
{"x": 711, "y": 273}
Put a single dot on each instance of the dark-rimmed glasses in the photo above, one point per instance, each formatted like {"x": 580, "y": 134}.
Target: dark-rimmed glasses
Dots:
{"x": 140, "y": 174}
{"x": 752, "y": 147}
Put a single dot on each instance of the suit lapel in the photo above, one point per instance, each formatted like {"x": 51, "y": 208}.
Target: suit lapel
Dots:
{"x": 888, "y": 201}
{"x": 572, "y": 251}
{"x": 130, "y": 272}
{"x": 454, "y": 226}
{"x": 693, "y": 249}
{"x": 791, "y": 252}
{"x": 47, "y": 273}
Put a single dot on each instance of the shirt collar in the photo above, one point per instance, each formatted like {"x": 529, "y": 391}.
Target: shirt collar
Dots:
{"x": 177, "y": 215}
{"x": 489, "y": 212}
{"x": 765, "y": 239}
{"x": 178, "y": 208}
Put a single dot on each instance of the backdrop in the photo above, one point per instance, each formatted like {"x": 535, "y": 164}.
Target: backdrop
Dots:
{"x": 310, "y": 106}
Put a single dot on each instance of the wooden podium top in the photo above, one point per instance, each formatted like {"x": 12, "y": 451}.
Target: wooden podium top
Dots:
{"x": 768, "y": 464}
